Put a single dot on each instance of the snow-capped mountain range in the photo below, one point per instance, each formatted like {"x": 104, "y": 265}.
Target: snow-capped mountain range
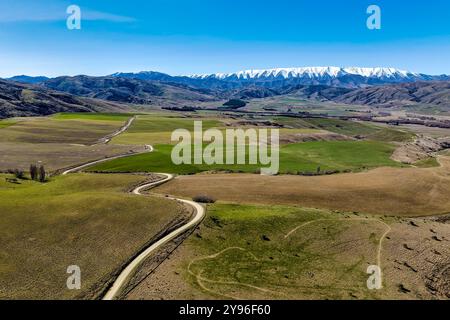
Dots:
{"x": 348, "y": 77}
{"x": 311, "y": 73}
{"x": 332, "y": 76}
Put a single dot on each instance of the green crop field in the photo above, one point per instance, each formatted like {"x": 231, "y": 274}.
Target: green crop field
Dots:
{"x": 294, "y": 158}
{"x": 83, "y": 219}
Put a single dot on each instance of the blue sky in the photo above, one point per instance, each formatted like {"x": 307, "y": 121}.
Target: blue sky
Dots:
{"x": 203, "y": 36}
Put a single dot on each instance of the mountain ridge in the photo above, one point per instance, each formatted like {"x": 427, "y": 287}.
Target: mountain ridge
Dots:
{"x": 400, "y": 95}
{"x": 28, "y": 79}
{"x": 129, "y": 90}
{"x": 19, "y": 99}
{"x": 162, "y": 90}
{"x": 348, "y": 77}
{"x": 275, "y": 78}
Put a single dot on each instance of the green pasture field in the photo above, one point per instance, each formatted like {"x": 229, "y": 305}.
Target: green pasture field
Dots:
{"x": 308, "y": 157}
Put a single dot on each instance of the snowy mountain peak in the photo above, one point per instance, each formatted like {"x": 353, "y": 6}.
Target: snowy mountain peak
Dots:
{"x": 310, "y": 72}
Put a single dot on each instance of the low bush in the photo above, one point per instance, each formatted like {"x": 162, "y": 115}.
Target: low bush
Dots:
{"x": 204, "y": 199}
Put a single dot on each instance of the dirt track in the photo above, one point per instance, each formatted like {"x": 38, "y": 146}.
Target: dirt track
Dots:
{"x": 131, "y": 268}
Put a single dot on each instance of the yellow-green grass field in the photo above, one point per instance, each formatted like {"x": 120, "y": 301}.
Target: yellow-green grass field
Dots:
{"x": 82, "y": 219}
{"x": 55, "y": 155}
{"x": 257, "y": 251}
{"x": 122, "y": 117}
{"x": 58, "y": 141}
{"x": 6, "y": 123}
{"x": 76, "y": 129}
{"x": 157, "y": 129}
{"x": 282, "y": 252}
{"x": 427, "y": 163}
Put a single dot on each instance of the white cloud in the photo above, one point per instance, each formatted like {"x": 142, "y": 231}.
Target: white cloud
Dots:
{"x": 104, "y": 16}
{"x": 53, "y": 14}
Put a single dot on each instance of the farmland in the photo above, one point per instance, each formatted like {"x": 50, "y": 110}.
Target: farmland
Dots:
{"x": 294, "y": 158}
{"x": 59, "y": 141}
{"x": 81, "y": 129}
{"x": 157, "y": 129}
{"x": 85, "y": 220}
{"x": 384, "y": 191}
{"x": 292, "y": 236}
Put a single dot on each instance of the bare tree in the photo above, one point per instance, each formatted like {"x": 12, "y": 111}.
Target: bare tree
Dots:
{"x": 42, "y": 174}
{"x": 33, "y": 172}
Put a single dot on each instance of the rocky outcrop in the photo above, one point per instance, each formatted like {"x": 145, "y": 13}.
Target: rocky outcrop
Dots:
{"x": 421, "y": 148}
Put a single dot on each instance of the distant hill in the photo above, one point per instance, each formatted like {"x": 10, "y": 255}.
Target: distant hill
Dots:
{"x": 28, "y": 79}
{"x": 253, "y": 92}
{"x": 143, "y": 75}
{"x": 130, "y": 90}
{"x": 432, "y": 93}
{"x": 315, "y": 92}
{"x": 160, "y": 93}
{"x": 27, "y": 100}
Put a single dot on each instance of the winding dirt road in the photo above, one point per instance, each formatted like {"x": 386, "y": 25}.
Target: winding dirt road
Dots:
{"x": 130, "y": 269}
{"x": 133, "y": 265}
{"x": 107, "y": 139}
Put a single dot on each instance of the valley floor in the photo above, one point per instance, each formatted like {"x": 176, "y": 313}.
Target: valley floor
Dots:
{"x": 290, "y": 236}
